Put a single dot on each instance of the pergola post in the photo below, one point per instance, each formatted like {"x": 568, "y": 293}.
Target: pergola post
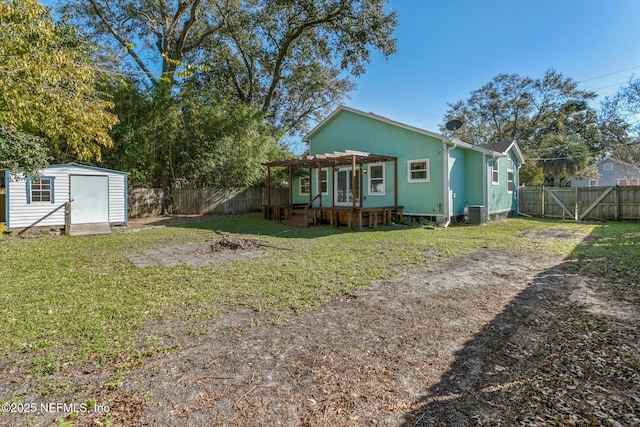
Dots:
{"x": 353, "y": 190}
{"x": 268, "y": 185}
{"x": 290, "y": 185}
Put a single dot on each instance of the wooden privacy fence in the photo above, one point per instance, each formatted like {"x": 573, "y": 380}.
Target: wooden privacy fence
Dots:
{"x": 201, "y": 201}
{"x": 581, "y": 203}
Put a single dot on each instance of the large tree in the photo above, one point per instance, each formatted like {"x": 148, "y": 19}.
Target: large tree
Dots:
{"x": 619, "y": 124}
{"x": 47, "y": 84}
{"x": 292, "y": 60}
{"x": 526, "y": 109}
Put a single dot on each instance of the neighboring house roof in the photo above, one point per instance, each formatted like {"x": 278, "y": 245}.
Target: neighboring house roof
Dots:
{"x": 611, "y": 159}
{"x": 501, "y": 148}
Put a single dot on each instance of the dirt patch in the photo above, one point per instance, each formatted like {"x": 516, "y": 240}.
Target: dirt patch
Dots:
{"x": 494, "y": 338}
{"x": 167, "y": 220}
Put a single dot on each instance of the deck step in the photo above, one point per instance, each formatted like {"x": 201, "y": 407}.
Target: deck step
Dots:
{"x": 87, "y": 229}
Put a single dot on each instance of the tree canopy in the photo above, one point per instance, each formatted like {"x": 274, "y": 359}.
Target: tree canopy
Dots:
{"x": 292, "y": 60}
{"x": 47, "y": 84}
{"x": 536, "y": 112}
{"x": 620, "y": 124}
{"x": 525, "y": 109}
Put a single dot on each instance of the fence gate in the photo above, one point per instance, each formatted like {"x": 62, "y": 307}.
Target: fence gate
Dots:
{"x": 580, "y": 203}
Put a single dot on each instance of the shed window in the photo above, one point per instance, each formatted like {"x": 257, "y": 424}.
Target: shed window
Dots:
{"x": 509, "y": 181}
{"x": 376, "y": 179}
{"x": 40, "y": 189}
{"x": 593, "y": 183}
{"x": 418, "y": 170}
{"x": 304, "y": 185}
{"x": 495, "y": 175}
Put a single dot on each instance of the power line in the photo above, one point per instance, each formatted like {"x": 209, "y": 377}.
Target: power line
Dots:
{"x": 609, "y": 74}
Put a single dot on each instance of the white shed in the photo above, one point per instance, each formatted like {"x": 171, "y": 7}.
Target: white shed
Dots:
{"x": 98, "y": 199}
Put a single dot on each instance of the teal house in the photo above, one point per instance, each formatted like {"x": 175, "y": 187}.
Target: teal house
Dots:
{"x": 363, "y": 169}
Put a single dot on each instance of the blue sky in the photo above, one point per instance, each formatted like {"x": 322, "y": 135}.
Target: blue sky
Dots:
{"x": 447, "y": 49}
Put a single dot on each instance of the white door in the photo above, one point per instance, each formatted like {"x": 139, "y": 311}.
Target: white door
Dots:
{"x": 89, "y": 199}
{"x": 342, "y": 189}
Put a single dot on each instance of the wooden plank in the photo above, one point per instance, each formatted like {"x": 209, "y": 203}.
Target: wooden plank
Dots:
{"x": 594, "y": 204}
{"x": 559, "y": 202}
{"x": 89, "y": 229}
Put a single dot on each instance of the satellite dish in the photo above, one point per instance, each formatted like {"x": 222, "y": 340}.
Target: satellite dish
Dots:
{"x": 453, "y": 125}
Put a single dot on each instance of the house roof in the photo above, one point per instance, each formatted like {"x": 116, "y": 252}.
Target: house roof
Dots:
{"x": 342, "y": 108}
{"x": 502, "y": 148}
{"x": 612, "y": 159}
{"x": 337, "y": 158}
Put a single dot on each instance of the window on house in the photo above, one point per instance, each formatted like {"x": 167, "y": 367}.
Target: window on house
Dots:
{"x": 40, "y": 190}
{"x": 625, "y": 181}
{"x": 593, "y": 183}
{"x": 495, "y": 175}
{"x": 418, "y": 170}
{"x": 376, "y": 179}
{"x": 304, "y": 185}
{"x": 323, "y": 181}
{"x": 509, "y": 181}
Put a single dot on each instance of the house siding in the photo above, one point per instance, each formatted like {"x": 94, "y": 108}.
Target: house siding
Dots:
{"x": 499, "y": 199}
{"x": 457, "y": 172}
{"x": 23, "y": 214}
{"x": 473, "y": 181}
{"x": 609, "y": 178}
{"x": 350, "y": 131}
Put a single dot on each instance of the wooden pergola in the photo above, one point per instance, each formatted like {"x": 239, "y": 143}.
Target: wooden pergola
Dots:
{"x": 332, "y": 161}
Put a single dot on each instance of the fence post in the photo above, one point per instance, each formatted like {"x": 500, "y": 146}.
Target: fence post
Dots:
{"x": 542, "y": 207}
{"x": 576, "y": 207}
{"x": 67, "y": 218}
{"x": 617, "y": 202}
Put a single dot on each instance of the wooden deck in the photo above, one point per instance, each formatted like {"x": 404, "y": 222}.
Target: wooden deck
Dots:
{"x": 353, "y": 218}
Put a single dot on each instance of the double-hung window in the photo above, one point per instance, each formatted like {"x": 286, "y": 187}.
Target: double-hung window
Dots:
{"x": 495, "y": 174}
{"x": 323, "y": 181}
{"x": 305, "y": 186}
{"x": 418, "y": 170}
{"x": 376, "y": 179}
{"x": 509, "y": 181}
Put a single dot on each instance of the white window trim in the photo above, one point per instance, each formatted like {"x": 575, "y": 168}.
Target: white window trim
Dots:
{"x": 318, "y": 186}
{"x": 510, "y": 171}
{"x": 595, "y": 182}
{"x": 427, "y": 179}
{"x": 495, "y": 167}
{"x": 300, "y": 186}
{"x": 384, "y": 183}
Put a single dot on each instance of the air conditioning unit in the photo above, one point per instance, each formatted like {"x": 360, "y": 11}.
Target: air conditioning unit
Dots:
{"x": 477, "y": 215}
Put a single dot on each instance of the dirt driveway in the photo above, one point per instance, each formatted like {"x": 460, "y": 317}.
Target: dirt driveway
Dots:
{"x": 464, "y": 342}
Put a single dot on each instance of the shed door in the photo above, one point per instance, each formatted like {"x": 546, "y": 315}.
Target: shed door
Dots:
{"x": 90, "y": 199}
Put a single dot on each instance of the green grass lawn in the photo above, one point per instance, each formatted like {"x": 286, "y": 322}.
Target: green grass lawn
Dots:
{"x": 77, "y": 299}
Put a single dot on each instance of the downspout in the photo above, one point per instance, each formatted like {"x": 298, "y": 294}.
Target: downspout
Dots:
{"x": 445, "y": 167}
